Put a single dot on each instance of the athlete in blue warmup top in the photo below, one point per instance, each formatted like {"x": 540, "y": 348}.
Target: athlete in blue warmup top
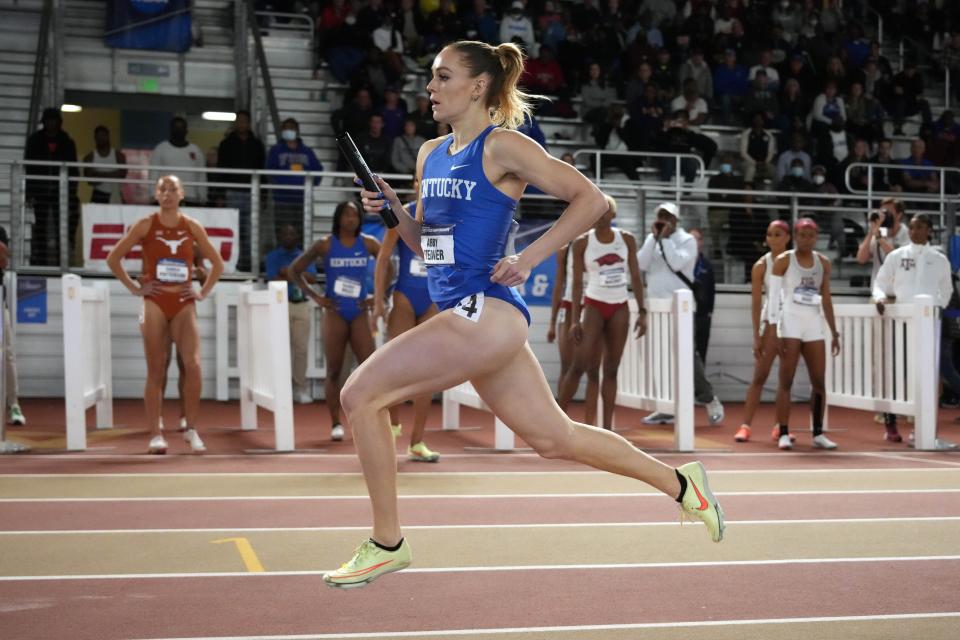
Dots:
{"x": 469, "y": 182}
{"x": 346, "y": 253}
{"x": 411, "y": 306}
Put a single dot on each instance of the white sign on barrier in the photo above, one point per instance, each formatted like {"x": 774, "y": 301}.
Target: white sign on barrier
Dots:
{"x": 465, "y": 395}
{"x": 104, "y": 224}
{"x": 86, "y": 358}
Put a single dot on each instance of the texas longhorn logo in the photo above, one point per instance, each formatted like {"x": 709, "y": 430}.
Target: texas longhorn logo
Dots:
{"x": 173, "y": 245}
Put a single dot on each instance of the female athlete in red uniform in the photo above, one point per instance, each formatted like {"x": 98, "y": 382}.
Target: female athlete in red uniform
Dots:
{"x": 167, "y": 239}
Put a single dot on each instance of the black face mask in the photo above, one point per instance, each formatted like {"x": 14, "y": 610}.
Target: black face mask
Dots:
{"x": 178, "y": 137}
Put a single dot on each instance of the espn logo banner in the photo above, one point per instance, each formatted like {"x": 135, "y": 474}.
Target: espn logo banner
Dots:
{"x": 104, "y": 224}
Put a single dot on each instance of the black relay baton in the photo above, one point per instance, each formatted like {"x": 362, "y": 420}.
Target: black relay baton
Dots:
{"x": 359, "y": 166}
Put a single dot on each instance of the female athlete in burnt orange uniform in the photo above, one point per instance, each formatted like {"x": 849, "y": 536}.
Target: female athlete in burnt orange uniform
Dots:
{"x": 167, "y": 238}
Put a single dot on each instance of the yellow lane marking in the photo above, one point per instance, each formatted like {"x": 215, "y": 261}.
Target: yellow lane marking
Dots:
{"x": 247, "y": 554}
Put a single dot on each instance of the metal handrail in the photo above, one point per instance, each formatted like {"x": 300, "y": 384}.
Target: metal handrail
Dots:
{"x": 36, "y": 89}
{"x": 298, "y": 22}
{"x": 264, "y": 69}
{"x": 870, "y": 193}
{"x": 678, "y": 158}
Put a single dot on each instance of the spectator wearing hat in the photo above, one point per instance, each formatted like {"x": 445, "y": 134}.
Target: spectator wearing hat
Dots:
{"x": 668, "y": 258}
{"x": 765, "y": 64}
{"x": 516, "y": 26}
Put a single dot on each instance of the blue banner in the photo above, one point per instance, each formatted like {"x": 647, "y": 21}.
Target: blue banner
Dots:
{"x": 161, "y": 25}
{"x": 538, "y": 288}
{"x": 31, "y": 300}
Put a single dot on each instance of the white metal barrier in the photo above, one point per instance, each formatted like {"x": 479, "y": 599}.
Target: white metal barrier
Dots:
{"x": 465, "y": 395}
{"x": 888, "y": 363}
{"x": 656, "y": 371}
{"x": 86, "y": 357}
{"x": 263, "y": 359}
{"x": 227, "y": 301}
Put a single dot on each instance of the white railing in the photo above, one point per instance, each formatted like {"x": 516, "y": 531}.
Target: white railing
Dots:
{"x": 888, "y": 363}
{"x": 227, "y": 301}
{"x": 87, "y": 371}
{"x": 263, "y": 358}
{"x": 656, "y": 372}
{"x": 465, "y": 395}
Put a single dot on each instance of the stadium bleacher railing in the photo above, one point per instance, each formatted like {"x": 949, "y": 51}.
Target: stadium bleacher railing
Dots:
{"x": 697, "y": 200}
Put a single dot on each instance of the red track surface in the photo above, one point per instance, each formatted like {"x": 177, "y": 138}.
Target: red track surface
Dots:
{"x": 249, "y": 605}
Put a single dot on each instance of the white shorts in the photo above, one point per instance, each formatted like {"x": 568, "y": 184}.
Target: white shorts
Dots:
{"x": 806, "y": 327}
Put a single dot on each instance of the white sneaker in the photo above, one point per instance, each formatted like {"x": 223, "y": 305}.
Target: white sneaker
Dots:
{"x": 823, "y": 442}
{"x": 715, "y": 411}
{"x": 336, "y": 434}
{"x": 193, "y": 438}
{"x": 785, "y": 442}
{"x": 658, "y": 418}
{"x": 161, "y": 423}
{"x": 158, "y": 445}
{"x": 183, "y": 424}
{"x": 303, "y": 398}
{"x": 16, "y": 415}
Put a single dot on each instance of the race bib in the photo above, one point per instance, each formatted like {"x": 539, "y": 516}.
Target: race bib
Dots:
{"x": 470, "y": 307}
{"x": 347, "y": 287}
{"x": 417, "y": 267}
{"x": 172, "y": 270}
{"x": 562, "y": 315}
{"x": 613, "y": 278}
{"x": 806, "y": 296}
{"x": 437, "y": 244}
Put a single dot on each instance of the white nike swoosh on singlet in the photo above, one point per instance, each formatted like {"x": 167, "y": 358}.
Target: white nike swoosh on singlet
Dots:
{"x": 458, "y": 166}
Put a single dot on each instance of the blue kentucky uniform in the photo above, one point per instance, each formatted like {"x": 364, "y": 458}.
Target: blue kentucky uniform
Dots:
{"x": 346, "y": 269}
{"x": 466, "y": 221}
{"x": 412, "y": 279}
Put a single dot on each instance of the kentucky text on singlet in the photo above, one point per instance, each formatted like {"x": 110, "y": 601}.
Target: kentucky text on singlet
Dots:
{"x": 466, "y": 220}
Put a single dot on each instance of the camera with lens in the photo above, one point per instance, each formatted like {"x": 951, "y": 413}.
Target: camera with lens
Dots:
{"x": 874, "y": 216}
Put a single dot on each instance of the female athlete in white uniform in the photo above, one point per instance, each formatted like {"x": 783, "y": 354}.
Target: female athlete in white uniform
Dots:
{"x": 470, "y": 182}
{"x": 607, "y": 257}
{"x": 764, "y": 333}
{"x": 801, "y": 281}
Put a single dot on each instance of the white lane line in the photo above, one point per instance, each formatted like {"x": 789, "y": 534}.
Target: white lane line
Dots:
{"x": 483, "y": 496}
{"x": 444, "y": 527}
{"x": 490, "y": 569}
{"x": 691, "y": 624}
{"x": 460, "y": 474}
{"x": 897, "y": 456}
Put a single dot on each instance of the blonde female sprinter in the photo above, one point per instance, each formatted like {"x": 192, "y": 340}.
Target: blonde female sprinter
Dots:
{"x": 470, "y": 181}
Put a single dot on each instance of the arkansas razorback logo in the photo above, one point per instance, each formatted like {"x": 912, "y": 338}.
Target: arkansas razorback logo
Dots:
{"x": 609, "y": 258}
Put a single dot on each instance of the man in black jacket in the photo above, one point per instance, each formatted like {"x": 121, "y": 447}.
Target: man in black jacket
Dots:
{"x": 241, "y": 149}
{"x": 53, "y": 144}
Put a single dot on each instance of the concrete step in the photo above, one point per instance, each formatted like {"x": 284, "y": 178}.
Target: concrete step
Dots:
{"x": 14, "y": 127}
{"x": 24, "y": 69}
{"x": 22, "y": 57}
{"x": 16, "y": 102}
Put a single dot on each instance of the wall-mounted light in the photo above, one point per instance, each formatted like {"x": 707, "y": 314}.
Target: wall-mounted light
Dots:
{"x": 71, "y": 108}
{"x": 219, "y": 116}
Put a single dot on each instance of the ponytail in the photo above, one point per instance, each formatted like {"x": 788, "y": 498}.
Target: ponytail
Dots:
{"x": 509, "y": 106}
